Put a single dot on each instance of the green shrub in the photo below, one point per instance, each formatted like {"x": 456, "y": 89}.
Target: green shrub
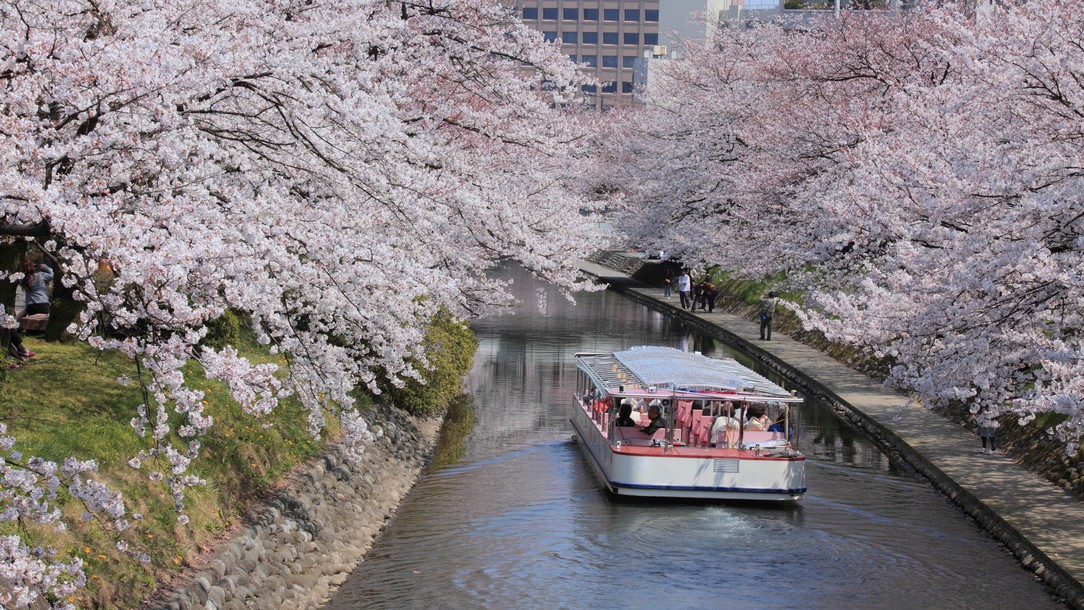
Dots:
{"x": 223, "y": 330}
{"x": 449, "y": 347}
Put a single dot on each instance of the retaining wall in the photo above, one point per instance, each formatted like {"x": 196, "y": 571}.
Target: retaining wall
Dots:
{"x": 302, "y": 544}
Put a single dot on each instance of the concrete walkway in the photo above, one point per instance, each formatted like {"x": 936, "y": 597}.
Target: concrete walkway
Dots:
{"x": 1039, "y": 522}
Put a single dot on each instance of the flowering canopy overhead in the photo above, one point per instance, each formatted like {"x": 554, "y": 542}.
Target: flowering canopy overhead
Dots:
{"x": 337, "y": 170}
{"x": 915, "y": 175}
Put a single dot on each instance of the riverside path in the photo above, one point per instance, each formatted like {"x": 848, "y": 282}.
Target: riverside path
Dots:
{"x": 1040, "y": 523}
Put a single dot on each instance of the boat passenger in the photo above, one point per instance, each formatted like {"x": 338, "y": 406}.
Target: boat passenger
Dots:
{"x": 624, "y": 417}
{"x": 758, "y": 419}
{"x": 655, "y": 419}
{"x": 726, "y": 425}
{"x": 779, "y": 424}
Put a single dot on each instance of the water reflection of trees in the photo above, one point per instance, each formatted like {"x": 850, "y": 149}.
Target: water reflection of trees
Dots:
{"x": 831, "y": 440}
{"x": 458, "y": 424}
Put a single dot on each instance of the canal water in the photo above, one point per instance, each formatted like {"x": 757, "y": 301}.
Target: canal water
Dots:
{"x": 511, "y": 516}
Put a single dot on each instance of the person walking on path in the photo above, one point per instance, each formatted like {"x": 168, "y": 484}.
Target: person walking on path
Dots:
{"x": 684, "y": 283}
{"x": 987, "y": 429}
{"x": 767, "y": 312}
{"x": 668, "y": 284}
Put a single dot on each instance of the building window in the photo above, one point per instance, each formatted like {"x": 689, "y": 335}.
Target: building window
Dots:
{"x": 568, "y": 37}
{"x": 549, "y": 14}
{"x": 651, "y": 39}
{"x": 589, "y": 88}
{"x": 650, "y": 15}
{"x": 626, "y": 87}
{"x": 609, "y": 87}
{"x": 632, "y": 14}
{"x": 590, "y": 14}
{"x": 609, "y": 61}
{"x": 572, "y": 58}
{"x": 589, "y": 60}
{"x": 629, "y": 61}
{"x": 590, "y": 38}
{"x": 633, "y": 38}
{"x": 611, "y": 14}
{"x": 609, "y": 38}
{"x": 549, "y": 36}
{"x": 571, "y": 14}
{"x": 530, "y": 13}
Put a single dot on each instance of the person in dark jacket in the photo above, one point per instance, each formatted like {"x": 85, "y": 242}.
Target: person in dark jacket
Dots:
{"x": 655, "y": 420}
{"x": 711, "y": 293}
{"x": 698, "y": 297}
{"x": 767, "y": 312}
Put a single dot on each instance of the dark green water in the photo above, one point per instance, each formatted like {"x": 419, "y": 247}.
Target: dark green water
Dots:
{"x": 512, "y": 517}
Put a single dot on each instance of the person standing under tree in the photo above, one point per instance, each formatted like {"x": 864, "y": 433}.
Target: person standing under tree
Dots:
{"x": 684, "y": 283}
{"x": 711, "y": 293}
{"x": 668, "y": 284}
{"x": 987, "y": 429}
{"x": 767, "y": 312}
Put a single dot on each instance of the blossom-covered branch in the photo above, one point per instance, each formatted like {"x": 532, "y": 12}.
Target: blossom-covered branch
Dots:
{"x": 915, "y": 175}
{"x": 336, "y": 171}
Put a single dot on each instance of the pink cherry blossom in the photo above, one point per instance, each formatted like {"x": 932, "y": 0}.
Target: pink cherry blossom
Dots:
{"x": 915, "y": 176}
{"x": 335, "y": 172}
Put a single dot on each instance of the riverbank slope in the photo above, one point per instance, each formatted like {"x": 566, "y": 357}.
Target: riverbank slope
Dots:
{"x": 1041, "y": 524}
{"x": 298, "y": 547}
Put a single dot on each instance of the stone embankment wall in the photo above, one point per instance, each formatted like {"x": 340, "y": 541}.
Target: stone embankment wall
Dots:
{"x": 303, "y": 543}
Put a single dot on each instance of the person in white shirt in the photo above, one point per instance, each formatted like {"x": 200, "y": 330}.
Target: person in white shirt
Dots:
{"x": 725, "y": 429}
{"x": 685, "y": 284}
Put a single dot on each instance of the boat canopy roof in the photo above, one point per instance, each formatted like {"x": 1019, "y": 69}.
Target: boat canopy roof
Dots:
{"x": 655, "y": 368}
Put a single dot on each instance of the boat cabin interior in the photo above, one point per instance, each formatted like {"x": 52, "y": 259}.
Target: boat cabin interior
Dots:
{"x": 713, "y": 422}
{"x": 707, "y": 403}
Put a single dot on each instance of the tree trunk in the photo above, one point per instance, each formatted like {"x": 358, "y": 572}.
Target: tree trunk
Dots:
{"x": 12, "y": 255}
{"x": 62, "y": 312}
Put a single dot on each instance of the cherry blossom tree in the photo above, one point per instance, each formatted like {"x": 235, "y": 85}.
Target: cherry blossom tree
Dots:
{"x": 915, "y": 175}
{"x": 337, "y": 171}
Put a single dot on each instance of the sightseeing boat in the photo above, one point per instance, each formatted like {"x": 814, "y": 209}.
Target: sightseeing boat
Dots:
{"x": 713, "y": 445}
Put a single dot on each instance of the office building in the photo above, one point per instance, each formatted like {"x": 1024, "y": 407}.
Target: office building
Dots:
{"x": 606, "y": 37}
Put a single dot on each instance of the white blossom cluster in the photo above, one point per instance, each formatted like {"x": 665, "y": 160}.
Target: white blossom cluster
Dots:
{"x": 337, "y": 171}
{"x": 915, "y": 176}
{"x": 29, "y": 486}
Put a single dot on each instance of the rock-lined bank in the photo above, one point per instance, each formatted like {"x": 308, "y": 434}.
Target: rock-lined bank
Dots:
{"x": 303, "y": 543}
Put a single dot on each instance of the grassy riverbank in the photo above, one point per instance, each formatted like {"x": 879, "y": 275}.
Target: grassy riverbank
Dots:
{"x": 66, "y": 402}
